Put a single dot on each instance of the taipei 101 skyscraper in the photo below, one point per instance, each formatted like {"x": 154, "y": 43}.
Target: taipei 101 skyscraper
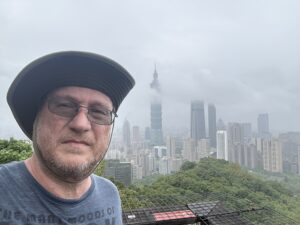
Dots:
{"x": 156, "y": 112}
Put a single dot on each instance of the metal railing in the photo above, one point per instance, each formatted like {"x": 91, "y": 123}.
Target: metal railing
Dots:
{"x": 212, "y": 209}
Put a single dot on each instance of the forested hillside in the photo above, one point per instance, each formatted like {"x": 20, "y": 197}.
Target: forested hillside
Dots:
{"x": 218, "y": 178}
{"x": 290, "y": 181}
{"x": 224, "y": 180}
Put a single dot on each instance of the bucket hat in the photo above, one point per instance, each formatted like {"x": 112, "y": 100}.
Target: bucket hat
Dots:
{"x": 60, "y": 69}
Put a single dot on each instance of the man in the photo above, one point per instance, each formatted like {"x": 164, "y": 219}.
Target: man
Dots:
{"x": 66, "y": 104}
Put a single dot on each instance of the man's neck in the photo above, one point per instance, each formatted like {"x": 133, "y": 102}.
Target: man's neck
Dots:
{"x": 54, "y": 185}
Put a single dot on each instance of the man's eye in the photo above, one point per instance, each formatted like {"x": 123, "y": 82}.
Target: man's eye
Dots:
{"x": 65, "y": 105}
{"x": 99, "y": 111}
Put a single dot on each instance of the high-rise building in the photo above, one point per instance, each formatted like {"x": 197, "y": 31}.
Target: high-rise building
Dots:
{"x": 121, "y": 171}
{"x": 126, "y": 133}
{"x": 222, "y": 145}
{"x": 156, "y": 112}
{"x": 156, "y": 124}
{"x": 252, "y": 159}
{"x": 159, "y": 151}
{"x": 137, "y": 172}
{"x": 174, "y": 146}
{"x": 272, "y": 155}
{"x": 221, "y": 125}
{"x": 164, "y": 165}
{"x": 189, "y": 149}
{"x": 202, "y": 149}
{"x": 136, "y": 136}
{"x": 197, "y": 120}
{"x": 147, "y": 134}
{"x": 235, "y": 133}
{"x": 235, "y": 142}
{"x": 247, "y": 132}
{"x": 290, "y": 151}
{"x": 290, "y": 157}
{"x": 263, "y": 126}
{"x": 212, "y": 125}
{"x": 171, "y": 146}
{"x": 149, "y": 164}
{"x": 258, "y": 142}
{"x": 136, "y": 142}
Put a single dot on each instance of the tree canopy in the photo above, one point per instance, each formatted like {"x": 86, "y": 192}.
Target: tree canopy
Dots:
{"x": 225, "y": 180}
{"x": 14, "y": 150}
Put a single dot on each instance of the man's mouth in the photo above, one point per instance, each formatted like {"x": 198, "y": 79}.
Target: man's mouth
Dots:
{"x": 79, "y": 142}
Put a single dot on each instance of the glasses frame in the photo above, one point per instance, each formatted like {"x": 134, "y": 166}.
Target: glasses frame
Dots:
{"x": 51, "y": 100}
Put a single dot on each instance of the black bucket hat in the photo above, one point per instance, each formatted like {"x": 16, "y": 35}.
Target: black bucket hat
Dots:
{"x": 69, "y": 68}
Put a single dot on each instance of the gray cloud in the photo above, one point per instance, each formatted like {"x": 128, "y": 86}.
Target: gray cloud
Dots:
{"x": 243, "y": 56}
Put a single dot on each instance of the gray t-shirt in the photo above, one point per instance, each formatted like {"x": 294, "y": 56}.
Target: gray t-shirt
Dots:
{"x": 24, "y": 201}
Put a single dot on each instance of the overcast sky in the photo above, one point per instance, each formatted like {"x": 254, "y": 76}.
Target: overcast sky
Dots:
{"x": 243, "y": 56}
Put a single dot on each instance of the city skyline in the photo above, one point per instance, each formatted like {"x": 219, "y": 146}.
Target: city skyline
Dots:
{"x": 241, "y": 56}
{"x": 237, "y": 143}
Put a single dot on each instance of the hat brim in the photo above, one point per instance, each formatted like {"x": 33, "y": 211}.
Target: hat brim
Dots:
{"x": 70, "y": 68}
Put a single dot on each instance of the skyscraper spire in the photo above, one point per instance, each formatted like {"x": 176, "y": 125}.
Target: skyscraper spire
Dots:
{"x": 155, "y": 75}
{"x": 155, "y": 84}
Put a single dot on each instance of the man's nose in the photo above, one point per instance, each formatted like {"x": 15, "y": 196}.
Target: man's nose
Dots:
{"x": 80, "y": 121}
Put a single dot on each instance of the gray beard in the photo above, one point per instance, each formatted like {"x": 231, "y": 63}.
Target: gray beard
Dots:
{"x": 70, "y": 174}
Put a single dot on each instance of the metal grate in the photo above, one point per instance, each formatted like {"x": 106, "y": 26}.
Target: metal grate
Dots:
{"x": 157, "y": 210}
{"x": 212, "y": 209}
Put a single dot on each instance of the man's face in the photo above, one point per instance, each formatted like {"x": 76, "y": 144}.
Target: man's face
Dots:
{"x": 70, "y": 148}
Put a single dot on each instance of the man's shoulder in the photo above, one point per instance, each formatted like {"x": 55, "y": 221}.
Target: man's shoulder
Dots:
{"x": 106, "y": 191}
{"x": 104, "y": 183}
{"x": 11, "y": 165}
{"x": 11, "y": 170}
{"x": 10, "y": 173}
{"x": 102, "y": 180}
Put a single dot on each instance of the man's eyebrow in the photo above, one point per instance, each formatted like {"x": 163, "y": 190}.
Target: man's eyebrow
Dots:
{"x": 66, "y": 97}
{"x": 91, "y": 104}
{"x": 103, "y": 106}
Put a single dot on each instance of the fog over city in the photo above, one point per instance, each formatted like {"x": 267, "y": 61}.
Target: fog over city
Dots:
{"x": 242, "y": 56}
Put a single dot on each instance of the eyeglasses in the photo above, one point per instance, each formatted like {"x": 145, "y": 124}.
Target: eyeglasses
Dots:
{"x": 67, "y": 108}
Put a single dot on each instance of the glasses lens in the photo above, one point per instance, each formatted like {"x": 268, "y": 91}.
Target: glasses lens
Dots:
{"x": 100, "y": 116}
{"x": 62, "y": 107}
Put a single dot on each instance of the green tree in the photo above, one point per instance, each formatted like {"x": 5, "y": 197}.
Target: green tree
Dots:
{"x": 100, "y": 168}
{"x": 219, "y": 180}
{"x": 14, "y": 150}
{"x": 188, "y": 165}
